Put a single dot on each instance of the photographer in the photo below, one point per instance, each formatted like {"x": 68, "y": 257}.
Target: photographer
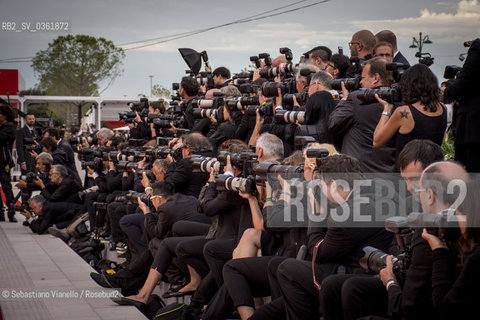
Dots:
{"x": 221, "y": 77}
{"x": 356, "y": 122}
{"x": 61, "y": 187}
{"x": 457, "y": 296}
{"x": 24, "y": 159}
{"x": 422, "y": 116}
{"x": 338, "y": 66}
{"x": 361, "y": 45}
{"x": 355, "y": 296}
{"x": 318, "y": 108}
{"x": 59, "y": 156}
{"x": 466, "y": 112}
{"x": 435, "y": 198}
{"x": 320, "y": 56}
{"x": 7, "y": 137}
{"x": 49, "y": 213}
{"x": 188, "y": 90}
{"x": 43, "y": 163}
{"x": 180, "y": 174}
{"x": 334, "y": 249}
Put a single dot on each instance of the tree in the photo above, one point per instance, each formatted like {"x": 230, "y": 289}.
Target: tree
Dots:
{"x": 160, "y": 91}
{"x": 75, "y": 65}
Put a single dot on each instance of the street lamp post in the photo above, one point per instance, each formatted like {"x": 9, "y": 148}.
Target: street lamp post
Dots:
{"x": 151, "y": 88}
{"x": 423, "y": 57}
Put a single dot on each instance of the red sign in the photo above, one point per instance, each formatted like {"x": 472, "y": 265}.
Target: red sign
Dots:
{"x": 8, "y": 82}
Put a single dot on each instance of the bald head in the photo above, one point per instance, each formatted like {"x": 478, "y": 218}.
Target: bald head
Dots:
{"x": 363, "y": 42}
{"x": 387, "y": 36}
{"x": 209, "y": 93}
{"x": 444, "y": 182}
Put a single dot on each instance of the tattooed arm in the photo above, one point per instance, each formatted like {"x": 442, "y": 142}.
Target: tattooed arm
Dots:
{"x": 389, "y": 123}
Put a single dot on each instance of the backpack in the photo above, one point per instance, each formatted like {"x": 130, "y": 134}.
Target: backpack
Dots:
{"x": 171, "y": 312}
{"x": 79, "y": 226}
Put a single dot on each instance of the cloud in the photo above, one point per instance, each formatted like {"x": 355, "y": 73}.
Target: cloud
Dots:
{"x": 442, "y": 27}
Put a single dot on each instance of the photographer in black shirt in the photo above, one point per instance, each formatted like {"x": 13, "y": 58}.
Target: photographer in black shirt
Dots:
{"x": 7, "y": 137}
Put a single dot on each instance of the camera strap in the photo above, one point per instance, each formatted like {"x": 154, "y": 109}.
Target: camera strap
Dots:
{"x": 315, "y": 251}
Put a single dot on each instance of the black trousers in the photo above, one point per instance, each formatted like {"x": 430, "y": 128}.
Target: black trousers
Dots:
{"x": 166, "y": 252}
{"x": 115, "y": 211}
{"x": 133, "y": 226}
{"x": 351, "y": 296}
{"x": 247, "y": 278}
{"x": 217, "y": 252}
{"x": 296, "y": 283}
{"x": 190, "y": 252}
{"x": 7, "y": 189}
{"x": 187, "y": 228}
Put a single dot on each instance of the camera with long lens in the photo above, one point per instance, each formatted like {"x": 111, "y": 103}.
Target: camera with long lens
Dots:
{"x": 133, "y": 196}
{"x": 241, "y": 103}
{"x": 21, "y": 208}
{"x": 207, "y": 113}
{"x": 205, "y": 164}
{"x": 246, "y": 160}
{"x": 79, "y": 140}
{"x": 149, "y": 174}
{"x": 34, "y": 147}
{"x": 451, "y": 71}
{"x": 300, "y": 97}
{"x": 264, "y": 110}
{"x": 248, "y": 88}
{"x": 375, "y": 260}
{"x": 95, "y": 164}
{"x": 318, "y": 154}
{"x": 351, "y": 84}
{"x": 166, "y": 124}
{"x": 32, "y": 176}
{"x": 282, "y": 69}
{"x": 162, "y": 153}
{"x": 284, "y": 116}
{"x": 392, "y": 95}
{"x": 236, "y": 184}
{"x": 126, "y": 166}
{"x": 215, "y": 102}
{"x": 443, "y": 225}
{"x": 397, "y": 68}
{"x": 152, "y": 116}
{"x": 271, "y": 171}
{"x": 89, "y": 154}
{"x": 139, "y": 107}
{"x": 270, "y": 89}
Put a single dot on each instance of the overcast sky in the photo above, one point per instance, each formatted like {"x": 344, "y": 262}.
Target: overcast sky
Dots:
{"x": 448, "y": 24}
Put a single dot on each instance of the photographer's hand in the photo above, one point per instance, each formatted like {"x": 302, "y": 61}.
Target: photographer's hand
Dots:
{"x": 27, "y": 214}
{"x": 433, "y": 241}
{"x": 212, "y": 118}
{"x": 386, "y": 274}
{"x": 211, "y": 178}
{"x": 172, "y": 128}
{"x": 137, "y": 118}
{"x": 21, "y": 184}
{"x": 387, "y": 107}
{"x": 90, "y": 172}
{"x": 33, "y": 154}
{"x": 39, "y": 183}
{"x": 345, "y": 92}
{"x": 143, "y": 206}
{"x": 111, "y": 166}
{"x": 228, "y": 166}
{"x": 145, "y": 181}
{"x": 256, "y": 74}
{"x": 278, "y": 99}
{"x": 247, "y": 196}
{"x": 141, "y": 164}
